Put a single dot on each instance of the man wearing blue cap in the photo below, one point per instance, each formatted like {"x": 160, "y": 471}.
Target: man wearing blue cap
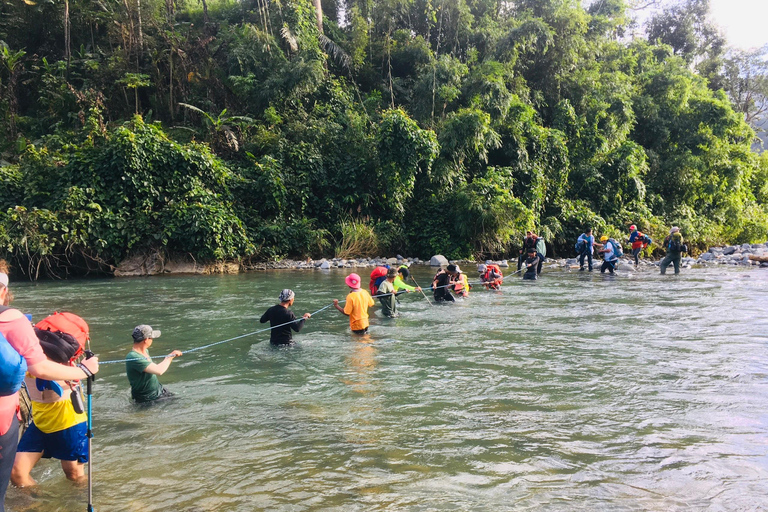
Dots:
{"x": 142, "y": 372}
{"x": 282, "y": 319}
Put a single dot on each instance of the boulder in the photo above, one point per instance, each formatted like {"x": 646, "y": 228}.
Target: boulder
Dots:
{"x": 438, "y": 260}
{"x": 392, "y": 261}
{"x": 707, "y": 256}
{"x": 729, "y": 250}
{"x": 325, "y": 265}
{"x": 504, "y": 264}
{"x": 625, "y": 267}
{"x": 319, "y": 263}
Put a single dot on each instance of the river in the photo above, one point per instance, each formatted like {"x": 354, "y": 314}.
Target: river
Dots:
{"x": 576, "y": 392}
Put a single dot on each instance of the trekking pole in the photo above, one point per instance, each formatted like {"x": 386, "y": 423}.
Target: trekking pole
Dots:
{"x": 422, "y": 291}
{"x": 89, "y": 392}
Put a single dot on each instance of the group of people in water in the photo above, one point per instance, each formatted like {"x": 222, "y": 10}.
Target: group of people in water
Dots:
{"x": 51, "y": 360}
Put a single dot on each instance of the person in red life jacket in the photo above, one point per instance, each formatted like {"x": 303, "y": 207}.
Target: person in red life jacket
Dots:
{"x": 59, "y": 427}
{"x": 20, "y": 336}
{"x": 639, "y": 242}
{"x": 490, "y": 276}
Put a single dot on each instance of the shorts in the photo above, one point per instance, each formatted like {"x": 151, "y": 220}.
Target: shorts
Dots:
{"x": 67, "y": 444}
{"x": 361, "y": 331}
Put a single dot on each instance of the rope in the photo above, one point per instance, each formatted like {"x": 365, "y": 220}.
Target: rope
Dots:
{"x": 195, "y": 349}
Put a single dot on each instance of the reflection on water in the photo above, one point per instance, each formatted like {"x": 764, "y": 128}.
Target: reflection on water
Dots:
{"x": 578, "y": 391}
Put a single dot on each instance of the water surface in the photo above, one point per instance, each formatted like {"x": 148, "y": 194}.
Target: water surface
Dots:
{"x": 576, "y": 392}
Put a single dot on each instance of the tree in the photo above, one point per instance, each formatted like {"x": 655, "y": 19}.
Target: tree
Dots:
{"x": 746, "y": 82}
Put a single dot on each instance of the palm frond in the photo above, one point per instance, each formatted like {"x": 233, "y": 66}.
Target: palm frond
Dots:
{"x": 289, "y": 38}
{"x": 336, "y": 52}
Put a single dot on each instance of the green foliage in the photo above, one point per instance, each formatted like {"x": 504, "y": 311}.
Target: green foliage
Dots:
{"x": 240, "y": 130}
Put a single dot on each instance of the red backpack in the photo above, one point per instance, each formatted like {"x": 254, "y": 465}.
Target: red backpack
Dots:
{"x": 67, "y": 323}
{"x": 376, "y": 278}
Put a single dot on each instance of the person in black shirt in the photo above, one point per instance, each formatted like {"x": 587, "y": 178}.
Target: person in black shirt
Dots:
{"x": 280, "y": 315}
{"x": 441, "y": 282}
{"x": 531, "y": 264}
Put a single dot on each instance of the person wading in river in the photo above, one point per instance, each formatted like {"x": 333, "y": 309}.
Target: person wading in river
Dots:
{"x": 675, "y": 249}
{"x": 142, "y": 372}
{"x": 387, "y": 294}
{"x": 442, "y": 281}
{"x": 282, "y": 320}
{"x": 356, "y": 306}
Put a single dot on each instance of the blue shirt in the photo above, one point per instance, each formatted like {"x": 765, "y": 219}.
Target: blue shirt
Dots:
{"x": 589, "y": 240}
{"x": 633, "y": 236}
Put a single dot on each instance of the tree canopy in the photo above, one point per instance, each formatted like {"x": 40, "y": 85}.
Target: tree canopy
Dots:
{"x": 258, "y": 129}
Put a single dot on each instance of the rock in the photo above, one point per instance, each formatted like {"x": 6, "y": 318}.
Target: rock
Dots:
{"x": 392, "y": 261}
{"x": 320, "y": 262}
{"x": 717, "y": 251}
{"x": 325, "y": 265}
{"x": 571, "y": 262}
{"x": 399, "y": 257}
{"x": 626, "y": 267}
{"x": 438, "y": 260}
{"x": 729, "y": 250}
{"x": 746, "y": 247}
{"x": 504, "y": 264}
{"x": 764, "y": 264}
{"x": 707, "y": 256}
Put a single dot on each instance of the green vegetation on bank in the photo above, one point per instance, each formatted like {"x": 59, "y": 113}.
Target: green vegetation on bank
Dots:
{"x": 245, "y": 130}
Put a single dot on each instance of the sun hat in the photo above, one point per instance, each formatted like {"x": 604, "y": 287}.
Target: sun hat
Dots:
{"x": 286, "y": 295}
{"x": 353, "y": 281}
{"x": 633, "y": 228}
{"x": 674, "y": 229}
{"x": 481, "y": 268}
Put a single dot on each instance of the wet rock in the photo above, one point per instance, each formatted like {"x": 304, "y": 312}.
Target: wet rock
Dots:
{"x": 438, "y": 260}
{"x": 325, "y": 265}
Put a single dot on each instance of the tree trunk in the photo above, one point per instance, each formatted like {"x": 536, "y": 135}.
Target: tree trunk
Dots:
{"x": 319, "y": 14}
{"x": 141, "y": 32}
{"x": 755, "y": 257}
{"x": 67, "y": 35}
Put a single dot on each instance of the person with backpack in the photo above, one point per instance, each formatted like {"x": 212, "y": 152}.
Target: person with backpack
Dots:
{"x": 59, "y": 426}
{"x": 388, "y": 295}
{"x": 532, "y": 261}
{"x": 675, "y": 247}
{"x": 611, "y": 252}
{"x": 528, "y": 242}
{"x": 378, "y": 275}
{"x": 490, "y": 276}
{"x": 541, "y": 252}
{"x": 639, "y": 242}
{"x": 585, "y": 247}
{"x": 22, "y": 352}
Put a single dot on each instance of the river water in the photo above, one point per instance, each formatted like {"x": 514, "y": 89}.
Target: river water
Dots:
{"x": 575, "y": 392}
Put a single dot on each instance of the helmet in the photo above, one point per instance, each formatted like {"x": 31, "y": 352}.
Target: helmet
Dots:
{"x": 603, "y": 238}
{"x": 633, "y": 228}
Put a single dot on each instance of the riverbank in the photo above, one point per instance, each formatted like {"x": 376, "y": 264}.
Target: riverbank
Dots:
{"x": 747, "y": 255}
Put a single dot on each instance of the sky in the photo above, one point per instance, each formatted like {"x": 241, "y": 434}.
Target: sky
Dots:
{"x": 744, "y": 22}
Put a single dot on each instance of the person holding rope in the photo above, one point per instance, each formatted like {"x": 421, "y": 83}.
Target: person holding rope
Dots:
{"x": 442, "y": 281}
{"x": 611, "y": 253}
{"x": 356, "y": 306}
{"x": 59, "y": 427}
{"x": 388, "y": 294}
{"x": 22, "y": 343}
{"x": 282, "y": 320}
{"x": 531, "y": 264}
{"x": 142, "y": 372}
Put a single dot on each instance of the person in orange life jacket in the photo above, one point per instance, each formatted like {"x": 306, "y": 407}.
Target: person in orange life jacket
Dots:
{"x": 281, "y": 315}
{"x": 532, "y": 261}
{"x": 356, "y": 306}
{"x": 528, "y": 241}
{"x": 490, "y": 276}
{"x": 442, "y": 281}
{"x": 460, "y": 285}
{"x": 20, "y": 335}
{"x": 57, "y": 429}
{"x": 639, "y": 242}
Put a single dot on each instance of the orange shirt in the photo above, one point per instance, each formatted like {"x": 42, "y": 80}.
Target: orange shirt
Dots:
{"x": 357, "y": 308}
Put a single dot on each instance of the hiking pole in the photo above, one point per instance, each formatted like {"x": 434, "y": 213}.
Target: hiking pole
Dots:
{"x": 422, "y": 291}
{"x": 89, "y": 392}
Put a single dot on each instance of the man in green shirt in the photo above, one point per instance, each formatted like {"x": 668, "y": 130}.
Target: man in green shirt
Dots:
{"x": 387, "y": 294}
{"x": 142, "y": 372}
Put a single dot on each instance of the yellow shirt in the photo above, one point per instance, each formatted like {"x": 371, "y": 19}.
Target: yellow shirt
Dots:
{"x": 357, "y": 308}
{"x": 56, "y": 416}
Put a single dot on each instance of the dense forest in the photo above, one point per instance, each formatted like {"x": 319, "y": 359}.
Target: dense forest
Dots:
{"x": 259, "y": 129}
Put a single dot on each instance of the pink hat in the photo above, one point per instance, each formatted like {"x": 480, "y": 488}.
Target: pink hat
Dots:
{"x": 353, "y": 281}
{"x": 632, "y": 227}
